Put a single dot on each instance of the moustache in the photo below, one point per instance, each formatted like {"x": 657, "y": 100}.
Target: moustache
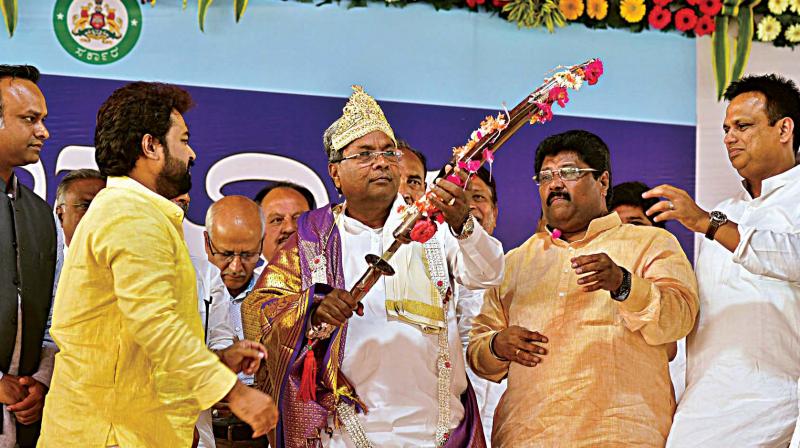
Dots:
{"x": 557, "y": 194}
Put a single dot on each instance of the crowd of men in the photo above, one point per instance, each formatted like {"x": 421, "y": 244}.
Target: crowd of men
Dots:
{"x": 113, "y": 335}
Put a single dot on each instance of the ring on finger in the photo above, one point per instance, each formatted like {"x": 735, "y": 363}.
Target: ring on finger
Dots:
{"x": 516, "y": 353}
{"x": 671, "y": 205}
{"x": 451, "y": 202}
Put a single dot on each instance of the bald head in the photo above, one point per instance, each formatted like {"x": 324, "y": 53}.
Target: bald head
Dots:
{"x": 234, "y": 214}
{"x": 234, "y": 235}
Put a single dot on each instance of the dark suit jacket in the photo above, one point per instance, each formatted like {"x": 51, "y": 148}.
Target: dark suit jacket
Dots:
{"x": 27, "y": 268}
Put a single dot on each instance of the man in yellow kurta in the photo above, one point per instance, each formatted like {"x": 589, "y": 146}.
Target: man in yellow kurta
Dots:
{"x": 133, "y": 370}
{"x": 583, "y": 320}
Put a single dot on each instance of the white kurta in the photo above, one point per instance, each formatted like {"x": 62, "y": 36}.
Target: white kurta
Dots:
{"x": 211, "y": 290}
{"x": 743, "y": 358}
{"x": 392, "y": 364}
{"x": 487, "y": 393}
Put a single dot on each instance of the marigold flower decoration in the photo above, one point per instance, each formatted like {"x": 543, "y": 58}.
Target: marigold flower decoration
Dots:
{"x": 632, "y": 10}
{"x": 792, "y": 33}
{"x": 705, "y": 26}
{"x": 572, "y": 9}
{"x": 685, "y": 19}
{"x": 659, "y": 17}
{"x": 768, "y": 29}
{"x": 794, "y": 5}
{"x": 777, "y": 7}
{"x": 597, "y": 9}
{"x": 710, "y": 7}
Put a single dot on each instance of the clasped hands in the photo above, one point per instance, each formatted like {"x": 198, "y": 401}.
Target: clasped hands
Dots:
{"x": 23, "y": 396}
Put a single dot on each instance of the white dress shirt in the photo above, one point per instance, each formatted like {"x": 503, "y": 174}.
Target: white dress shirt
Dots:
{"x": 743, "y": 358}
{"x": 392, "y": 364}
{"x": 212, "y": 296}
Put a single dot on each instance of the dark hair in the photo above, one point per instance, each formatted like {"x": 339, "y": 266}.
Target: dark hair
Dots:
{"x": 74, "y": 176}
{"x": 403, "y": 144}
{"x": 783, "y": 98}
{"x": 127, "y": 115}
{"x": 488, "y": 179}
{"x": 630, "y": 193}
{"x": 312, "y": 204}
{"x": 28, "y": 72}
{"x": 591, "y": 149}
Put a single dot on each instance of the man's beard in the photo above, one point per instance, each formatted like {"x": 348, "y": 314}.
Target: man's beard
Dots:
{"x": 175, "y": 178}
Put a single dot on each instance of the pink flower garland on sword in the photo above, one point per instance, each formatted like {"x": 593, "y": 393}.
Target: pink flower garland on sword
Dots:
{"x": 494, "y": 131}
{"x": 420, "y": 220}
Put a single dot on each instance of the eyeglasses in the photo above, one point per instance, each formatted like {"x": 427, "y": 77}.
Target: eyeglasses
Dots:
{"x": 79, "y": 205}
{"x": 369, "y": 157}
{"x": 227, "y": 256}
{"x": 569, "y": 173}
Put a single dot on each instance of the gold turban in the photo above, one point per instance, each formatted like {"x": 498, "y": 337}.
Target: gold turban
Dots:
{"x": 360, "y": 116}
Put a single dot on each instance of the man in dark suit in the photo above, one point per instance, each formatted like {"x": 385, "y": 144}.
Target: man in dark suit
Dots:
{"x": 27, "y": 261}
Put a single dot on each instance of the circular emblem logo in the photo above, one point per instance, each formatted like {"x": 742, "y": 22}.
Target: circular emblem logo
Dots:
{"x": 97, "y": 31}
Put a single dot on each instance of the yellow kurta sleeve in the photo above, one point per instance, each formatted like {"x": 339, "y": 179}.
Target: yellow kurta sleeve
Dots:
{"x": 663, "y": 302}
{"x": 144, "y": 274}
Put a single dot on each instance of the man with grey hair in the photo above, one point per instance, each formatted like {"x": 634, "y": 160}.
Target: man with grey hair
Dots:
{"x": 233, "y": 239}
{"x": 73, "y": 196}
{"x": 27, "y": 261}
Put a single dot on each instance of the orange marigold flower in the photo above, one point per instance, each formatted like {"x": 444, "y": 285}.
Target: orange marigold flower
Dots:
{"x": 572, "y": 9}
{"x": 632, "y": 10}
{"x": 597, "y": 9}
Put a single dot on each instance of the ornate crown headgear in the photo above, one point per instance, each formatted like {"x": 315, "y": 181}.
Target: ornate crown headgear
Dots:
{"x": 360, "y": 116}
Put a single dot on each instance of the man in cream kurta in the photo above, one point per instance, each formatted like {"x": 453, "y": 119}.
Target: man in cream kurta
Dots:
{"x": 605, "y": 299}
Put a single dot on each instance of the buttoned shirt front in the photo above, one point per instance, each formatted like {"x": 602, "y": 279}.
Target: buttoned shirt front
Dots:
{"x": 133, "y": 369}
{"x": 743, "y": 359}
{"x": 605, "y": 379}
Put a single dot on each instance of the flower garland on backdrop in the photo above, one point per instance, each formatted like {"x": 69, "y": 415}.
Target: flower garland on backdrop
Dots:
{"x": 776, "y": 22}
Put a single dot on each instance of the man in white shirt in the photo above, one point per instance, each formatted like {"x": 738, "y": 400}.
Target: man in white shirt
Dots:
{"x": 743, "y": 357}
{"x": 234, "y": 237}
{"x": 399, "y": 380}
{"x": 482, "y": 199}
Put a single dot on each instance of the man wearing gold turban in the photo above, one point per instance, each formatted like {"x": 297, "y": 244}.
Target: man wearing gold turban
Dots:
{"x": 391, "y": 373}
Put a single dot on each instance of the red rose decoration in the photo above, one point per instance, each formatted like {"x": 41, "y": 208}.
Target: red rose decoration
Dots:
{"x": 659, "y": 17}
{"x": 439, "y": 217}
{"x": 693, "y": 2}
{"x": 499, "y": 3}
{"x": 705, "y": 26}
{"x": 471, "y": 3}
{"x": 662, "y": 3}
{"x": 423, "y": 230}
{"x": 685, "y": 19}
{"x": 710, "y": 7}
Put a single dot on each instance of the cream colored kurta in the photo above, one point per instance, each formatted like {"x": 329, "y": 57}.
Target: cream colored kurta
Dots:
{"x": 133, "y": 369}
{"x": 605, "y": 381}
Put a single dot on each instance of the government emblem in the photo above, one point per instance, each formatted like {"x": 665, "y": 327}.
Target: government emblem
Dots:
{"x": 97, "y": 31}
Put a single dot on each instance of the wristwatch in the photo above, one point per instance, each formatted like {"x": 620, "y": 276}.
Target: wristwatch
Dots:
{"x": 467, "y": 228}
{"x": 624, "y": 289}
{"x": 718, "y": 219}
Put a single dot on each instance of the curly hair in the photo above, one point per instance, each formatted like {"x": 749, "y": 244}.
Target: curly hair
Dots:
{"x": 129, "y": 114}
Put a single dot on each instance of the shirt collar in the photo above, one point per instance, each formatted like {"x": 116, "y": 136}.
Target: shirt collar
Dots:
{"x": 596, "y": 227}
{"x": 12, "y": 188}
{"x": 775, "y": 182}
{"x": 171, "y": 210}
{"x": 242, "y": 295}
